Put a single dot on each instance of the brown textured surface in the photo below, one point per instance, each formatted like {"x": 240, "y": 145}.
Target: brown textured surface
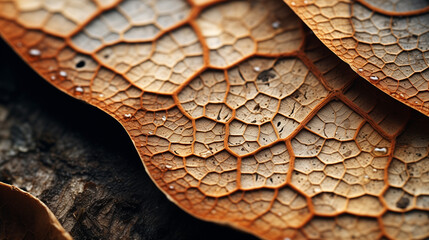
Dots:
{"x": 242, "y": 118}
{"x": 23, "y": 216}
{"x": 384, "y": 41}
{"x": 58, "y": 150}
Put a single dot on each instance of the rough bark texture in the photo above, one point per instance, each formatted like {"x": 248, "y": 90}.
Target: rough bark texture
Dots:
{"x": 82, "y": 164}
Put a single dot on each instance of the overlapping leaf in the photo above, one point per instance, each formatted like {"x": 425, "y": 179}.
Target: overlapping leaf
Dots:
{"x": 239, "y": 114}
{"x": 23, "y": 216}
{"x": 384, "y": 41}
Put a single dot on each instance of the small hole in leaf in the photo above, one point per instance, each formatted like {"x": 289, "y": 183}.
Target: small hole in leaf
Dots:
{"x": 80, "y": 64}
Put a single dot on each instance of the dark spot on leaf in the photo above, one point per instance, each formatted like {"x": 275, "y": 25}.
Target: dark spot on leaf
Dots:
{"x": 403, "y": 203}
{"x": 348, "y": 153}
{"x": 256, "y": 107}
{"x": 266, "y": 75}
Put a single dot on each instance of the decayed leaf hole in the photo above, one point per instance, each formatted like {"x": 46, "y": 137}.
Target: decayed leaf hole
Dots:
{"x": 240, "y": 115}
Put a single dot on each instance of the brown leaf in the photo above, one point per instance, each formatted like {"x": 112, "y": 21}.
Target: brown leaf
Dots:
{"x": 240, "y": 116}
{"x": 23, "y": 216}
{"x": 386, "y": 42}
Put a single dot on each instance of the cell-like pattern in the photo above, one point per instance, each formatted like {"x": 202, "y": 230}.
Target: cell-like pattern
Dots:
{"x": 241, "y": 116}
{"x": 342, "y": 227}
{"x": 335, "y": 171}
{"x": 336, "y": 121}
{"x": 160, "y": 68}
{"x": 406, "y": 226}
{"x": 384, "y": 41}
{"x": 397, "y": 6}
{"x": 409, "y": 171}
{"x": 205, "y": 96}
{"x": 216, "y": 175}
{"x": 130, "y": 20}
{"x": 266, "y": 168}
{"x": 240, "y": 29}
{"x": 61, "y": 18}
{"x": 209, "y": 137}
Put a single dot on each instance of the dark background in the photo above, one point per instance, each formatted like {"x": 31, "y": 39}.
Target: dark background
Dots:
{"x": 82, "y": 164}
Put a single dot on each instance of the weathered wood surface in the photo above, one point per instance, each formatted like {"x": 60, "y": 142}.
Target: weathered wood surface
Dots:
{"x": 82, "y": 164}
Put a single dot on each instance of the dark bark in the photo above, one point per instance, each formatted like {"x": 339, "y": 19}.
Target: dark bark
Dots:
{"x": 82, "y": 164}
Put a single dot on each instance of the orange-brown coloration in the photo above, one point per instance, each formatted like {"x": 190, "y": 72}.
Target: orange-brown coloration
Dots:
{"x": 384, "y": 41}
{"x": 23, "y": 216}
{"x": 242, "y": 117}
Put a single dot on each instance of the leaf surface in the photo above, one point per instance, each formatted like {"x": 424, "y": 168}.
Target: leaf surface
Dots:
{"x": 239, "y": 114}
{"x": 384, "y": 41}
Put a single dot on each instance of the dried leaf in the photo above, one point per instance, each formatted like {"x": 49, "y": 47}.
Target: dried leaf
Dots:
{"x": 239, "y": 115}
{"x": 384, "y": 41}
{"x": 23, "y": 216}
